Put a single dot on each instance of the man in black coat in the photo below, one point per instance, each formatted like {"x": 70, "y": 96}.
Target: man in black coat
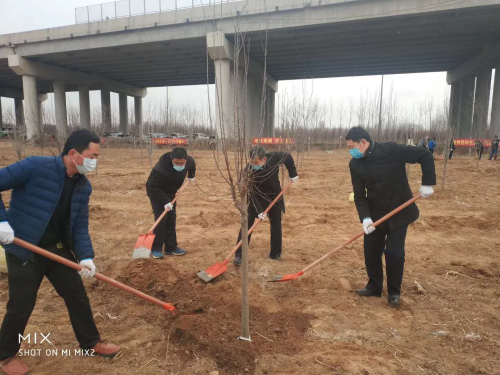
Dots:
{"x": 263, "y": 188}
{"x": 380, "y": 185}
{"x": 165, "y": 179}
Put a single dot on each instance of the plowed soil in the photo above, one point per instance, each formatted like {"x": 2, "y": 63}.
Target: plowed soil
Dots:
{"x": 314, "y": 325}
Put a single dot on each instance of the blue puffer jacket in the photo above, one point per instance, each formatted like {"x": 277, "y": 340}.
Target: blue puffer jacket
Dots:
{"x": 37, "y": 184}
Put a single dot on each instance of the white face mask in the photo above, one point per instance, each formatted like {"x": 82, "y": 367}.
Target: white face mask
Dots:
{"x": 89, "y": 165}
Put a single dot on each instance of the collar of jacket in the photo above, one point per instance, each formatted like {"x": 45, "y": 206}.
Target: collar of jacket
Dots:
{"x": 370, "y": 150}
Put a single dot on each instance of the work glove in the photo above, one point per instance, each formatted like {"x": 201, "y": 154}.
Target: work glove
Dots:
{"x": 262, "y": 216}
{"x": 191, "y": 180}
{"x": 6, "y": 233}
{"x": 294, "y": 179}
{"x": 426, "y": 191}
{"x": 366, "y": 226}
{"x": 88, "y": 268}
{"x": 169, "y": 206}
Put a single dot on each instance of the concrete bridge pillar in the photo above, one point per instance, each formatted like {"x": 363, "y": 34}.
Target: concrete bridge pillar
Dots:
{"x": 495, "y": 107}
{"x": 482, "y": 103}
{"x": 84, "y": 107}
{"x": 31, "y": 114}
{"x": 60, "y": 107}
{"x": 122, "y": 101}
{"x": 138, "y": 116}
{"x": 224, "y": 96}
{"x": 455, "y": 98}
{"x": 269, "y": 114}
{"x": 466, "y": 106}
{"x": 1, "y": 118}
{"x": 106, "y": 110}
{"x": 19, "y": 109}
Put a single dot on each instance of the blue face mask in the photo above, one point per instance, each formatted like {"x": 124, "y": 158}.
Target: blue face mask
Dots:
{"x": 356, "y": 154}
{"x": 179, "y": 168}
{"x": 257, "y": 167}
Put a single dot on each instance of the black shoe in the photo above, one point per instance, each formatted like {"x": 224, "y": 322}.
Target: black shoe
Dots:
{"x": 278, "y": 258}
{"x": 394, "y": 300}
{"x": 237, "y": 261}
{"x": 367, "y": 293}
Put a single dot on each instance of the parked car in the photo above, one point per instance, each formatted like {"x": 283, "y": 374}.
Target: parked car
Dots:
{"x": 200, "y": 136}
{"x": 113, "y": 135}
{"x": 178, "y": 135}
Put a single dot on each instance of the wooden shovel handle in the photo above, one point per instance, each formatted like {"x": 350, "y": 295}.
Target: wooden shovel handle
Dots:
{"x": 378, "y": 222}
{"x": 99, "y": 276}
{"x": 257, "y": 221}
{"x": 165, "y": 212}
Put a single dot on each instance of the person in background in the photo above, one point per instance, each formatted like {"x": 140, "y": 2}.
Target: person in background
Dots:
{"x": 423, "y": 143}
{"x": 263, "y": 188}
{"x": 479, "y": 148}
{"x": 380, "y": 183}
{"x": 432, "y": 145}
{"x": 165, "y": 179}
{"x": 49, "y": 207}
{"x": 452, "y": 148}
{"x": 494, "y": 147}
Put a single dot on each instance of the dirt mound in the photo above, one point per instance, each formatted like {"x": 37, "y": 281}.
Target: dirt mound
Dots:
{"x": 211, "y": 330}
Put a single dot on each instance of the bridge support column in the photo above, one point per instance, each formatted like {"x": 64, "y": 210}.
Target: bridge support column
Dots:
{"x": 466, "y": 106}
{"x": 1, "y": 118}
{"x": 84, "y": 107}
{"x": 106, "y": 110}
{"x": 138, "y": 116}
{"x": 224, "y": 95}
{"x": 31, "y": 114}
{"x": 495, "y": 107}
{"x": 60, "y": 107}
{"x": 19, "y": 109}
{"x": 269, "y": 114}
{"x": 455, "y": 98}
{"x": 122, "y": 102}
{"x": 482, "y": 103}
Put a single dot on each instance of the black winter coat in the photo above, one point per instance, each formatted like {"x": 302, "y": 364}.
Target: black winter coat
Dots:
{"x": 382, "y": 173}
{"x": 164, "y": 180}
{"x": 265, "y": 184}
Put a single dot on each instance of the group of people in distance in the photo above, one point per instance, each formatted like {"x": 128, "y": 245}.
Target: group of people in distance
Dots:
{"x": 49, "y": 206}
{"x": 479, "y": 146}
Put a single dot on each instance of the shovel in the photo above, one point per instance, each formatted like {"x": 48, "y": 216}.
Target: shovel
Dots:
{"x": 76, "y": 266}
{"x": 294, "y": 276}
{"x": 145, "y": 243}
{"x": 218, "y": 268}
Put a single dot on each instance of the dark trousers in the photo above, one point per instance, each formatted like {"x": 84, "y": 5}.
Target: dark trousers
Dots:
{"x": 480, "y": 153}
{"x": 392, "y": 244}
{"x": 451, "y": 155}
{"x": 24, "y": 282}
{"x": 165, "y": 231}
{"x": 494, "y": 153}
{"x": 274, "y": 216}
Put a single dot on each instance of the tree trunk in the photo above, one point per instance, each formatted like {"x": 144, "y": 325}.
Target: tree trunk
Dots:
{"x": 245, "y": 308}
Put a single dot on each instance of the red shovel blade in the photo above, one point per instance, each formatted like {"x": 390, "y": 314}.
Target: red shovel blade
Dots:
{"x": 292, "y": 276}
{"x": 212, "y": 272}
{"x": 143, "y": 246}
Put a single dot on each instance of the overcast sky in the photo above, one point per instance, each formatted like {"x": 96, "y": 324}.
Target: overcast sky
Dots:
{"x": 410, "y": 89}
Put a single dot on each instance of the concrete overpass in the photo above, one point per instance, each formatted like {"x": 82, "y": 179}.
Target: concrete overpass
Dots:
{"x": 304, "y": 38}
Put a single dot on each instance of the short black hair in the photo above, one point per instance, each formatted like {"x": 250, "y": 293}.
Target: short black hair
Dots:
{"x": 80, "y": 140}
{"x": 258, "y": 152}
{"x": 356, "y": 134}
{"x": 179, "y": 153}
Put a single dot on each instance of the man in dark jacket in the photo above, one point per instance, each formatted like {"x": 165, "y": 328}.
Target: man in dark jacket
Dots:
{"x": 452, "y": 148}
{"x": 263, "y": 188}
{"x": 165, "y": 179}
{"x": 49, "y": 208}
{"x": 380, "y": 169}
{"x": 494, "y": 147}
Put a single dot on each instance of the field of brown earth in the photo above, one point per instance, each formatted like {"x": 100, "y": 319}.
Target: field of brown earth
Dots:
{"x": 314, "y": 325}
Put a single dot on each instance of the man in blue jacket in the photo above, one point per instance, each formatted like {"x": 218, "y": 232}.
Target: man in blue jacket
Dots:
{"x": 49, "y": 208}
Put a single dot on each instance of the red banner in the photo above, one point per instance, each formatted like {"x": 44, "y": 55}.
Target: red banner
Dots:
{"x": 471, "y": 142}
{"x": 170, "y": 141}
{"x": 273, "y": 141}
